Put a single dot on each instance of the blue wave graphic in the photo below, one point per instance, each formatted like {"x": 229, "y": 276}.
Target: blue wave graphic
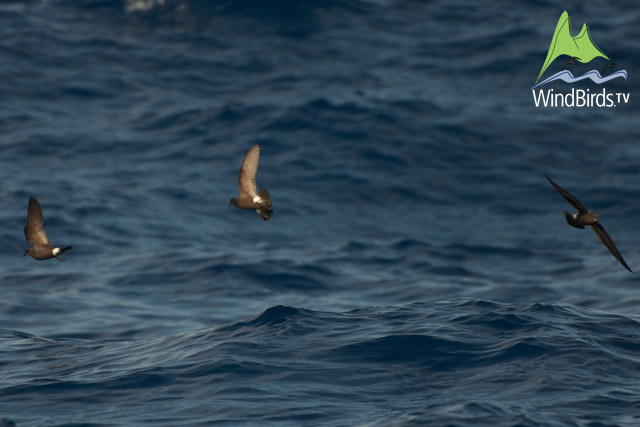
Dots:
{"x": 595, "y": 76}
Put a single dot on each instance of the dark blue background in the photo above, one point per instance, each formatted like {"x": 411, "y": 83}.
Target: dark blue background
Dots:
{"x": 417, "y": 267}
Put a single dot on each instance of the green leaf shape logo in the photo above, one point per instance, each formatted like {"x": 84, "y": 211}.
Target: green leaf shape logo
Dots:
{"x": 580, "y": 46}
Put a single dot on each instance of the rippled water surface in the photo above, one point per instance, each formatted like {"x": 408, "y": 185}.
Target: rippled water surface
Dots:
{"x": 417, "y": 268}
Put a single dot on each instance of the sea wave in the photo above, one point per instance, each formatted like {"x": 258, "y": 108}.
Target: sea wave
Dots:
{"x": 414, "y": 356}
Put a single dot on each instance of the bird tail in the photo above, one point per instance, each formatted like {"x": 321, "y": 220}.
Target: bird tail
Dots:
{"x": 265, "y": 210}
{"x": 63, "y": 250}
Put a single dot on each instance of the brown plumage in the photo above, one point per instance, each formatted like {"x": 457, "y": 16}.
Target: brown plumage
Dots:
{"x": 37, "y": 237}
{"x": 585, "y": 217}
{"x": 571, "y": 61}
{"x": 250, "y": 199}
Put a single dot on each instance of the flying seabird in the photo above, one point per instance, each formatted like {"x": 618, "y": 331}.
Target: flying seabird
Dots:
{"x": 36, "y": 236}
{"x": 571, "y": 61}
{"x": 609, "y": 65}
{"x": 249, "y": 199}
{"x": 611, "y": 55}
{"x": 586, "y": 217}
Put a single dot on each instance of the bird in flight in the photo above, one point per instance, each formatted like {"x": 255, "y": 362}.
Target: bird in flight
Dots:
{"x": 248, "y": 198}
{"x": 585, "y": 217}
{"x": 609, "y": 65}
{"x": 571, "y": 61}
{"x": 36, "y": 236}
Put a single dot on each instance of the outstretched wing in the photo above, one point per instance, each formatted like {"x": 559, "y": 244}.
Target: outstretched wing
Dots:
{"x": 568, "y": 197}
{"x": 608, "y": 242}
{"x": 34, "y": 231}
{"x": 247, "y": 175}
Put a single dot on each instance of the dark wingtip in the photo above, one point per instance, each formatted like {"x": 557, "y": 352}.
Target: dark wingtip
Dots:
{"x": 33, "y": 203}
{"x": 628, "y": 268}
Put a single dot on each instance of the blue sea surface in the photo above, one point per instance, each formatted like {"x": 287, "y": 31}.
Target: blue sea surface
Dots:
{"x": 417, "y": 269}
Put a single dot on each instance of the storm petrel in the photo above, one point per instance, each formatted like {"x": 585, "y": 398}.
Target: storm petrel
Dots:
{"x": 36, "y": 236}
{"x": 585, "y": 217}
{"x": 249, "y": 199}
{"x": 571, "y": 61}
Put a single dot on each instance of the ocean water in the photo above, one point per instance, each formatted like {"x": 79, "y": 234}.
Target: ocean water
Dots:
{"x": 417, "y": 268}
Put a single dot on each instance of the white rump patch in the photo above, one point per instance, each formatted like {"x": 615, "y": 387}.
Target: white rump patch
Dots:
{"x": 56, "y": 251}
{"x": 257, "y": 199}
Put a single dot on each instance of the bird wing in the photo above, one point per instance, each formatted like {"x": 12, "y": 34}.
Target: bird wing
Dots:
{"x": 608, "y": 242}
{"x": 568, "y": 197}
{"x": 247, "y": 174}
{"x": 34, "y": 231}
